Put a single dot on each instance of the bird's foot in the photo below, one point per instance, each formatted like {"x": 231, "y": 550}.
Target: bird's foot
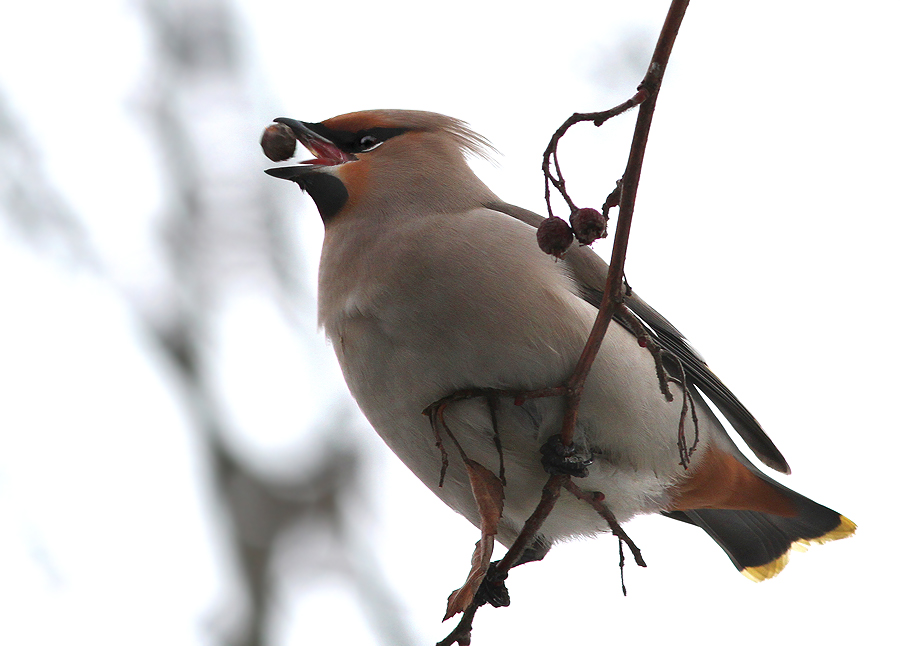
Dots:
{"x": 492, "y": 589}
{"x": 559, "y": 459}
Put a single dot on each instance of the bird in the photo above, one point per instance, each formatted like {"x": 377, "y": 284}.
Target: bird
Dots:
{"x": 430, "y": 284}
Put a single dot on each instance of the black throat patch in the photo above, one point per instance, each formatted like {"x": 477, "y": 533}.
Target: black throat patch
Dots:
{"x": 326, "y": 190}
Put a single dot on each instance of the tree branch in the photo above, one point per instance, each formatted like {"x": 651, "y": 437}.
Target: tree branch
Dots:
{"x": 613, "y": 294}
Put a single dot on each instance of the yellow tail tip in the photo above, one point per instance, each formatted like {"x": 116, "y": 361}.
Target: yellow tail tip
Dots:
{"x": 846, "y": 529}
{"x": 759, "y": 573}
{"x": 772, "y": 568}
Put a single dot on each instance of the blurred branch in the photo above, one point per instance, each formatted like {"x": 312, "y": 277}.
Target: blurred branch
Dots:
{"x": 31, "y": 203}
{"x": 221, "y": 232}
{"x": 218, "y": 228}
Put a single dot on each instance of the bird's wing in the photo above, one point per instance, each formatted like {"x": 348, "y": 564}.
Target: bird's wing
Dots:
{"x": 590, "y": 272}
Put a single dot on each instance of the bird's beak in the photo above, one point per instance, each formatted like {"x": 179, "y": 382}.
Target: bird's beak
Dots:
{"x": 325, "y": 151}
{"x": 326, "y": 189}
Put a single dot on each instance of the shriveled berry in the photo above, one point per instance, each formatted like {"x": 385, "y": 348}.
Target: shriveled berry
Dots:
{"x": 554, "y": 236}
{"x": 588, "y": 225}
{"x": 278, "y": 142}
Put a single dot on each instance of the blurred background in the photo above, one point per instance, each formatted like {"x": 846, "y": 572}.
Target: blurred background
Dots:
{"x": 180, "y": 462}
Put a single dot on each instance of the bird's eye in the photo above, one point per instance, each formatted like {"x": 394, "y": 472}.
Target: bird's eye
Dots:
{"x": 368, "y": 142}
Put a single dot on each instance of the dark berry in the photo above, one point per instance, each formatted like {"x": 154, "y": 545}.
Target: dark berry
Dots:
{"x": 278, "y": 142}
{"x": 588, "y": 225}
{"x": 554, "y": 236}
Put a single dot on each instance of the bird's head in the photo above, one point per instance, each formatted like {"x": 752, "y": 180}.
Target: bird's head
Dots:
{"x": 379, "y": 161}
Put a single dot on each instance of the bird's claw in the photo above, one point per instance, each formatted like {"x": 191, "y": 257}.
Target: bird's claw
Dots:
{"x": 492, "y": 589}
{"x": 563, "y": 460}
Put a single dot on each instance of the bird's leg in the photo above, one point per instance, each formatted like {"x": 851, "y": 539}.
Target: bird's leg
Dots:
{"x": 564, "y": 460}
{"x": 493, "y": 587}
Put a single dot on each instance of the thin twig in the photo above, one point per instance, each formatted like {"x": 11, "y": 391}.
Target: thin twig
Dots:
{"x": 462, "y": 634}
{"x": 435, "y": 414}
{"x": 646, "y": 340}
{"x": 518, "y": 396}
{"x": 595, "y": 500}
{"x": 660, "y": 354}
{"x": 438, "y": 425}
{"x": 439, "y": 443}
{"x": 687, "y": 402}
{"x": 551, "y": 153}
{"x": 612, "y": 200}
{"x": 493, "y": 405}
{"x": 525, "y": 539}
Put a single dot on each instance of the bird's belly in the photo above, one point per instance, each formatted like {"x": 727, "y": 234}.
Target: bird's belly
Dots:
{"x": 625, "y": 422}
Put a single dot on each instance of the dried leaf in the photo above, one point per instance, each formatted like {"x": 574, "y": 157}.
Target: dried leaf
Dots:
{"x": 488, "y": 491}
{"x": 460, "y": 599}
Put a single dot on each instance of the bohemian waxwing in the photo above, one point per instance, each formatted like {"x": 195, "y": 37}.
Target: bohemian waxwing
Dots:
{"x": 429, "y": 284}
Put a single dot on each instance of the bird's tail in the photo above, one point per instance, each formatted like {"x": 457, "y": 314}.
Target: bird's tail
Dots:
{"x": 758, "y": 543}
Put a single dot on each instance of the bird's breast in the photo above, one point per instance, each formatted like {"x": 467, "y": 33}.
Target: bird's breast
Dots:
{"x": 449, "y": 303}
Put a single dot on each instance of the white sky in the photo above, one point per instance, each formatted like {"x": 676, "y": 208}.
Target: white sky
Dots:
{"x": 766, "y": 230}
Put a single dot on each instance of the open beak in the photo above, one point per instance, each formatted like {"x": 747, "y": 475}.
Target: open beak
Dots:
{"x": 326, "y": 152}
